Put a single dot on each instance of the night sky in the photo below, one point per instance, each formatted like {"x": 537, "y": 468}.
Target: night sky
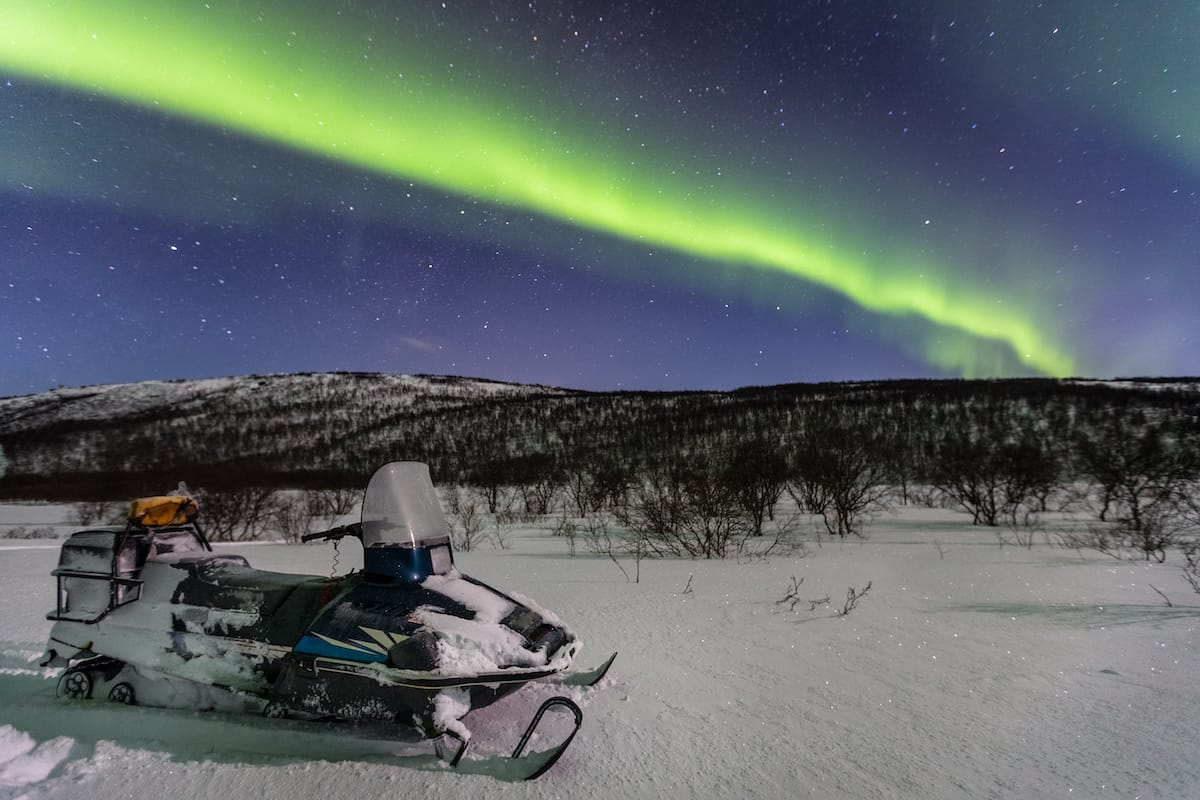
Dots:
{"x": 599, "y": 195}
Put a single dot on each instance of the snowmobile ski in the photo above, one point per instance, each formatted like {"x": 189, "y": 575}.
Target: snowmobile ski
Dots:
{"x": 533, "y": 765}
{"x": 547, "y": 759}
{"x": 588, "y": 677}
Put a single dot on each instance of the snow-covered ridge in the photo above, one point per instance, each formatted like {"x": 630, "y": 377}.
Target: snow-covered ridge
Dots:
{"x": 1184, "y": 386}
{"x": 278, "y": 422}
{"x": 108, "y": 401}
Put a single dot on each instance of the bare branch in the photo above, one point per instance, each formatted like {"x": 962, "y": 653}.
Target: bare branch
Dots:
{"x": 852, "y": 598}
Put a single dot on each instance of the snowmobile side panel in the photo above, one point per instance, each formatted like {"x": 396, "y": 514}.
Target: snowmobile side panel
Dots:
{"x": 277, "y": 607}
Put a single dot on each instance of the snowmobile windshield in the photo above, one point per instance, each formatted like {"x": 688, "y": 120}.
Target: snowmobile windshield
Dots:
{"x": 402, "y": 508}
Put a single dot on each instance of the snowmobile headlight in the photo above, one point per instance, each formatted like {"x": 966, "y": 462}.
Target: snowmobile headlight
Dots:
{"x": 418, "y": 652}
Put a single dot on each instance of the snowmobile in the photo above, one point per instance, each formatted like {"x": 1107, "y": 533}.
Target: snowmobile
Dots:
{"x": 149, "y": 612}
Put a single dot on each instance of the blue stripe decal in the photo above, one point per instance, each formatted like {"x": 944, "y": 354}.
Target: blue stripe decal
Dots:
{"x": 315, "y": 646}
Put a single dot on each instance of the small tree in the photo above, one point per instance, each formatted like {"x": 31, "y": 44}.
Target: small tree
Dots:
{"x": 579, "y": 488}
{"x": 599, "y": 539}
{"x": 92, "y": 512}
{"x": 837, "y": 477}
{"x": 465, "y": 518}
{"x": 294, "y": 516}
{"x": 1142, "y": 473}
{"x": 237, "y": 514}
{"x": 756, "y": 475}
{"x": 655, "y": 508}
{"x": 489, "y": 481}
{"x": 334, "y": 503}
{"x": 997, "y": 481}
{"x": 713, "y": 521}
{"x": 1191, "y": 570}
{"x": 589, "y": 482}
{"x": 686, "y": 510}
{"x": 297, "y": 514}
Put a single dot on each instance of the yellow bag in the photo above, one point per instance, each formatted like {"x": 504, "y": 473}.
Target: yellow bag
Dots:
{"x": 155, "y": 512}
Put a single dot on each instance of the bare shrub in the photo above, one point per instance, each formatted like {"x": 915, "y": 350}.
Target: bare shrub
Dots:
{"x": 1141, "y": 475}
{"x": 836, "y": 476}
{"x": 465, "y": 517}
{"x": 568, "y": 529}
{"x": 780, "y": 538}
{"x": 1022, "y": 534}
{"x": 852, "y": 597}
{"x": 538, "y": 481}
{"x": 599, "y": 539}
{"x": 337, "y": 502}
{"x": 924, "y": 496}
{"x": 516, "y": 517}
{"x": 592, "y": 482}
{"x": 21, "y": 532}
{"x": 237, "y": 514}
{"x": 684, "y": 510}
{"x": 1191, "y": 570}
{"x": 655, "y": 507}
{"x": 501, "y": 535}
{"x": 1004, "y": 482}
{"x": 497, "y": 499}
{"x": 792, "y": 597}
{"x": 490, "y": 481}
{"x": 293, "y": 517}
{"x": 1160, "y": 593}
{"x": 756, "y": 475}
{"x": 97, "y": 512}
{"x": 1149, "y": 533}
{"x": 301, "y": 512}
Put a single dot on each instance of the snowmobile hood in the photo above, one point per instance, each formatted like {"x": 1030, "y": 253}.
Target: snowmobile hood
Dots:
{"x": 401, "y": 507}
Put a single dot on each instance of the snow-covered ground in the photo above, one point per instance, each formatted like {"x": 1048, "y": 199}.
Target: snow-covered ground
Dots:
{"x": 973, "y": 672}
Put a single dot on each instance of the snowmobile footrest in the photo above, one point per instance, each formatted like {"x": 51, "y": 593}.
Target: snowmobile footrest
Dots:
{"x": 53, "y": 659}
{"x": 553, "y": 755}
{"x": 457, "y": 755}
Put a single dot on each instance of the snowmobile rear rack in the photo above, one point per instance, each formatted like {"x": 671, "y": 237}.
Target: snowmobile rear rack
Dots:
{"x": 121, "y": 591}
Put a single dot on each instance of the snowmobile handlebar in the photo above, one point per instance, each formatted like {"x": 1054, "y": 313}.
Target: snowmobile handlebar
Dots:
{"x": 333, "y": 534}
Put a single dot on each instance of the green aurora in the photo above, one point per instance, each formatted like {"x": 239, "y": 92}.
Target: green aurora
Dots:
{"x": 388, "y": 110}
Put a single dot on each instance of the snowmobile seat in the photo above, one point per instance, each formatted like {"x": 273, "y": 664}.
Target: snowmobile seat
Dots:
{"x": 282, "y": 604}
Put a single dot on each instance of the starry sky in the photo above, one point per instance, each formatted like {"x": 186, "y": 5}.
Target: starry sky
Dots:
{"x": 599, "y": 195}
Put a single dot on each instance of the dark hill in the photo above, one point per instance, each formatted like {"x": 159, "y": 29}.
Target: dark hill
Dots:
{"x": 333, "y": 429}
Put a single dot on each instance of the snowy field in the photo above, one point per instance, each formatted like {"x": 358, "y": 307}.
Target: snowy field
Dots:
{"x": 978, "y": 671}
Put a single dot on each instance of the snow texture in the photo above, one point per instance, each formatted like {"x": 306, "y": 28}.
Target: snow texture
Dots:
{"x": 968, "y": 671}
{"x": 479, "y": 645}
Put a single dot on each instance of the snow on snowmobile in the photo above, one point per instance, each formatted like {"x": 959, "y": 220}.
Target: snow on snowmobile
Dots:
{"x": 149, "y": 614}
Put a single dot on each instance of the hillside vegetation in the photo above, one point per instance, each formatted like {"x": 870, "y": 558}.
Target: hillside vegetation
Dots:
{"x": 333, "y": 429}
{"x": 696, "y": 474}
